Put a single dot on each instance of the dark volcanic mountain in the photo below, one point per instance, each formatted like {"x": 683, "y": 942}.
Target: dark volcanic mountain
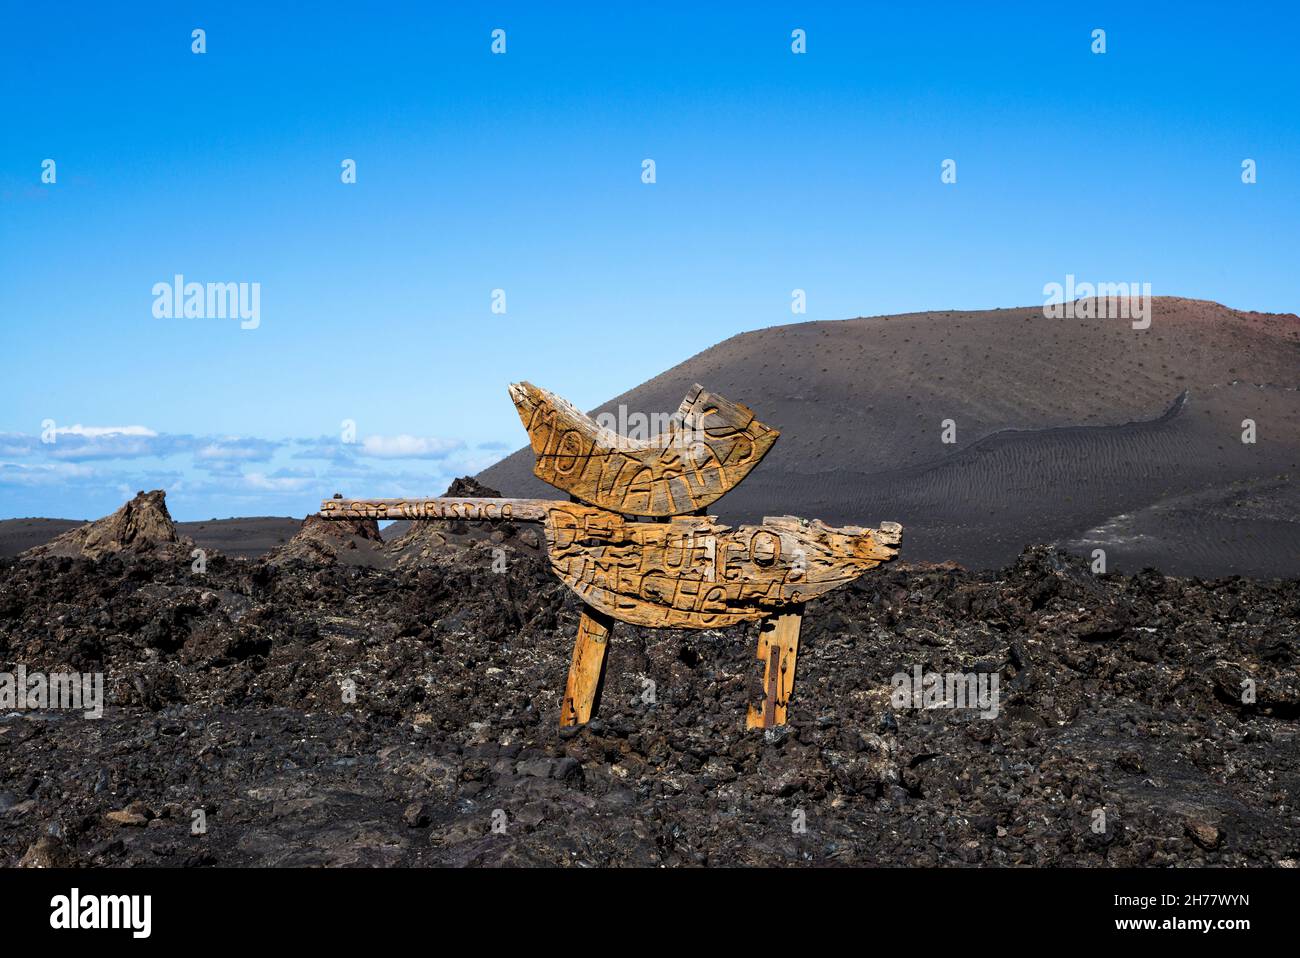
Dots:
{"x": 1082, "y": 432}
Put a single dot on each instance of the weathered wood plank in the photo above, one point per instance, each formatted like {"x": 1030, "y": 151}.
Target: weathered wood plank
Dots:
{"x": 689, "y": 572}
{"x": 708, "y": 446}
{"x": 693, "y": 572}
{"x": 587, "y": 667}
{"x": 437, "y": 507}
{"x": 778, "y": 650}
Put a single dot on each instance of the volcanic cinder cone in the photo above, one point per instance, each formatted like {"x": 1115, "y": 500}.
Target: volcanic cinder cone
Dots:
{"x": 981, "y": 431}
{"x": 140, "y": 525}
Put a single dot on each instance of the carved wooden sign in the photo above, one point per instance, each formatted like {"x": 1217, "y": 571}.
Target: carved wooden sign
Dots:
{"x": 691, "y": 572}
{"x": 683, "y": 571}
{"x": 710, "y": 445}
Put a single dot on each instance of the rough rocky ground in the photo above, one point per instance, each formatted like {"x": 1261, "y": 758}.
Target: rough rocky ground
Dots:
{"x": 226, "y": 693}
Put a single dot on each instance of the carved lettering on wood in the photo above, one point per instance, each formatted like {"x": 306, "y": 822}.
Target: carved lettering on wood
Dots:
{"x": 435, "y": 508}
{"x": 710, "y": 445}
{"x": 691, "y": 572}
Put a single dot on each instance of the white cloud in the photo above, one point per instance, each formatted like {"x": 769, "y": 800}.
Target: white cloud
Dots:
{"x": 325, "y": 447}
{"x": 236, "y": 449}
{"x": 43, "y": 474}
{"x": 17, "y": 444}
{"x": 75, "y": 447}
{"x": 280, "y": 483}
{"x": 408, "y": 447}
{"x": 98, "y": 432}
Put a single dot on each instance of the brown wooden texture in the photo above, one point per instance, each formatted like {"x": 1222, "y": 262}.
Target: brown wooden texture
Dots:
{"x": 710, "y": 445}
{"x": 689, "y": 571}
{"x": 778, "y": 649}
{"x": 693, "y": 572}
{"x": 443, "y": 507}
{"x": 587, "y": 667}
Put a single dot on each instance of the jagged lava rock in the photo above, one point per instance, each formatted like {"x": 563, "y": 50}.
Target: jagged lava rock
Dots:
{"x": 470, "y": 487}
{"x": 326, "y": 541}
{"x": 419, "y": 542}
{"x": 139, "y": 526}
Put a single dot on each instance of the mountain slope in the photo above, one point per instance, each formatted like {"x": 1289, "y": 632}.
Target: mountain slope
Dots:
{"x": 1084, "y": 432}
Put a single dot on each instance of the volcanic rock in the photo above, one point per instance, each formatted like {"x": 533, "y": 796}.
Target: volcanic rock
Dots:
{"x": 1205, "y": 835}
{"x": 469, "y": 487}
{"x": 139, "y": 526}
{"x": 47, "y": 852}
{"x": 413, "y": 543}
{"x": 328, "y": 714}
{"x": 127, "y": 817}
{"x": 416, "y": 815}
{"x": 323, "y": 541}
{"x": 420, "y": 542}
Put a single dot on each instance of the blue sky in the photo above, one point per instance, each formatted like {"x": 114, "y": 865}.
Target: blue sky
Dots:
{"x": 523, "y": 172}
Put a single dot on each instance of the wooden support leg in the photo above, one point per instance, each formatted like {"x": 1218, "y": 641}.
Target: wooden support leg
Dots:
{"x": 778, "y": 646}
{"x": 588, "y": 666}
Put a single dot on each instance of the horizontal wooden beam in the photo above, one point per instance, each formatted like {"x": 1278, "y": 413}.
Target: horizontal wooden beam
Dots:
{"x": 440, "y": 507}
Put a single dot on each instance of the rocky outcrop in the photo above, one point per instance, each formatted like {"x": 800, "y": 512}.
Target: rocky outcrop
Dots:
{"x": 141, "y": 525}
{"x": 470, "y": 487}
{"x": 326, "y": 541}
{"x": 360, "y": 542}
{"x": 420, "y": 542}
{"x": 414, "y": 543}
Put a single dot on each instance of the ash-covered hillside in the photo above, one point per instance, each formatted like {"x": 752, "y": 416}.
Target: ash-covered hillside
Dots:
{"x": 1083, "y": 432}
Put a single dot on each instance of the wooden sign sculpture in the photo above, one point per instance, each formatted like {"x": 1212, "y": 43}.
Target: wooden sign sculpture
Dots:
{"x": 709, "y": 446}
{"x": 682, "y": 571}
